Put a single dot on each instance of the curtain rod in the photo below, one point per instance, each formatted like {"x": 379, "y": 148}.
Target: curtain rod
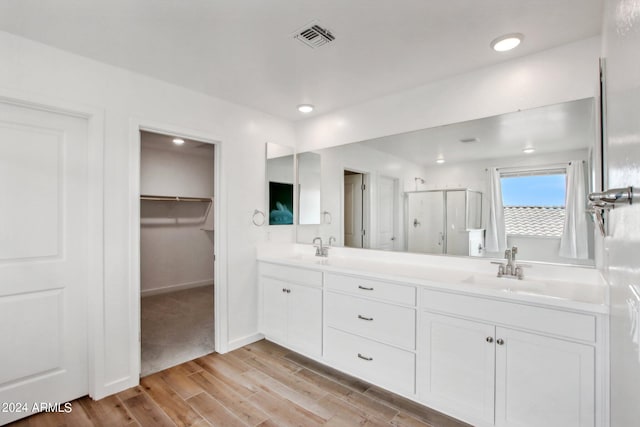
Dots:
{"x": 533, "y": 168}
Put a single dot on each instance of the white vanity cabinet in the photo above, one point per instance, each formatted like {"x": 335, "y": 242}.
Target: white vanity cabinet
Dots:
{"x": 291, "y": 307}
{"x": 370, "y": 330}
{"x": 497, "y": 375}
{"x": 487, "y": 359}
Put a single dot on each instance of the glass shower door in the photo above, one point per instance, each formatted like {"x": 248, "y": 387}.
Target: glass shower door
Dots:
{"x": 425, "y": 211}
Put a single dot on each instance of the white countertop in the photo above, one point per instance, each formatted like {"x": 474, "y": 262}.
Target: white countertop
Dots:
{"x": 568, "y": 287}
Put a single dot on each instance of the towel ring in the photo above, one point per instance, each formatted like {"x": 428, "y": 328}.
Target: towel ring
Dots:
{"x": 326, "y": 216}
{"x": 256, "y": 219}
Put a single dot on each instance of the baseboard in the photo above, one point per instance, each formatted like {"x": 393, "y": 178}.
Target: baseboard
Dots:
{"x": 240, "y": 342}
{"x": 174, "y": 288}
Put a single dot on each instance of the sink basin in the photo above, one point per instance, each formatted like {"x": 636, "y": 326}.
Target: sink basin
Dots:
{"x": 505, "y": 284}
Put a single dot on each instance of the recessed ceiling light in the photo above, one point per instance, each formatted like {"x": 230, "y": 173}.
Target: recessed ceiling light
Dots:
{"x": 305, "y": 108}
{"x": 178, "y": 141}
{"x": 440, "y": 161}
{"x": 528, "y": 150}
{"x": 506, "y": 42}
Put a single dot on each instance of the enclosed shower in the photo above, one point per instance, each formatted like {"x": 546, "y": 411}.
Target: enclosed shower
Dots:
{"x": 445, "y": 222}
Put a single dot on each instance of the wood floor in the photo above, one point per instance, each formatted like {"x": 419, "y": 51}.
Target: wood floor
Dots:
{"x": 261, "y": 384}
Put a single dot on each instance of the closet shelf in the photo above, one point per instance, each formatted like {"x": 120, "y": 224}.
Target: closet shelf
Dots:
{"x": 175, "y": 199}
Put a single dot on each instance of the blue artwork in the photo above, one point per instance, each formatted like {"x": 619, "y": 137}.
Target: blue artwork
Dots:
{"x": 280, "y": 203}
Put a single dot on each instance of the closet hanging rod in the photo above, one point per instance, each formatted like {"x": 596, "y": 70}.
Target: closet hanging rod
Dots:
{"x": 174, "y": 199}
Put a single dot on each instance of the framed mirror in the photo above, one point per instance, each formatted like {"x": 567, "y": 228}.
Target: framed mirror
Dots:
{"x": 470, "y": 189}
{"x": 280, "y": 184}
{"x": 309, "y": 188}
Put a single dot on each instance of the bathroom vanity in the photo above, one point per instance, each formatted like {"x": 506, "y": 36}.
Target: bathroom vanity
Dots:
{"x": 447, "y": 332}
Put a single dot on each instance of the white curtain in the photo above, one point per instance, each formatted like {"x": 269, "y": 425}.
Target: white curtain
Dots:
{"x": 574, "y": 241}
{"x": 496, "y": 239}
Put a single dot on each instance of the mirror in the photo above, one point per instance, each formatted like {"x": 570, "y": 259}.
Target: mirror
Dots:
{"x": 280, "y": 181}
{"x": 309, "y": 188}
{"x": 438, "y": 190}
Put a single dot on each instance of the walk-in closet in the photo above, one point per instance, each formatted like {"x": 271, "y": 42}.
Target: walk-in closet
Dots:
{"x": 176, "y": 250}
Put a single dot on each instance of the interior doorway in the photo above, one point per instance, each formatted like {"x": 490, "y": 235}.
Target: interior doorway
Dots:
{"x": 355, "y": 209}
{"x": 176, "y": 250}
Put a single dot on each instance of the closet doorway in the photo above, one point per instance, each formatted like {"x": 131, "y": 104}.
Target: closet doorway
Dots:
{"x": 356, "y": 208}
{"x": 176, "y": 250}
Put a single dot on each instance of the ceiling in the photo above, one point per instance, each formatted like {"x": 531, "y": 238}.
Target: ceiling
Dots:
{"x": 550, "y": 129}
{"x": 243, "y": 50}
{"x": 162, "y": 142}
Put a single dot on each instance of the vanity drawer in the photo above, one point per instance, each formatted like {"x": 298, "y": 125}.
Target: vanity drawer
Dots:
{"x": 562, "y": 323}
{"x": 372, "y": 361}
{"x": 371, "y": 288}
{"x": 291, "y": 274}
{"x": 378, "y": 320}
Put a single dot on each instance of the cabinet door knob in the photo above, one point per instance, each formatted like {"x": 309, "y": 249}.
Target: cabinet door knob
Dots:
{"x": 500, "y": 341}
{"x": 489, "y": 340}
{"x": 284, "y": 290}
{"x": 360, "y": 316}
{"x": 368, "y": 359}
{"x": 288, "y": 291}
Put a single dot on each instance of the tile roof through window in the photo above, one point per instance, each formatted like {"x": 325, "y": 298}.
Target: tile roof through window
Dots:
{"x": 540, "y": 221}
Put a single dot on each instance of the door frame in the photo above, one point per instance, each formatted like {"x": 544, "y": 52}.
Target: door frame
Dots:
{"x": 220, "y": 290}
{"x": 366, "y": 204}
{"x": 95, "y": 229}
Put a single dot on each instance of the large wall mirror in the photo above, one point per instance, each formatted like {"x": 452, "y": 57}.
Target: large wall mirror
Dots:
{"x": 280, "y": 182}
{"x": 469, "y": 189}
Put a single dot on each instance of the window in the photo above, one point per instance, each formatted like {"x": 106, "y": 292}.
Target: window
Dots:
{"x": 534, "y": 202}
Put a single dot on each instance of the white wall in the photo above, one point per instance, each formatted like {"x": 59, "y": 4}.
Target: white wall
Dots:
{"x": 621, "y": 49}
{"x": 175, "y": 252}
{"x": 565, "y": 73}
{"x": 123, "y": 96}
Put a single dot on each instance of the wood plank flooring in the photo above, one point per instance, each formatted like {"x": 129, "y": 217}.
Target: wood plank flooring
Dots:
{"x": 261, "y": 384}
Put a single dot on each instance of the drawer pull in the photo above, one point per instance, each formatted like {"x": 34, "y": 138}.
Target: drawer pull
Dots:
{"x": 368, "y": 359}
{"x": 364, "y": 288}
{"x": 369, "y": 319}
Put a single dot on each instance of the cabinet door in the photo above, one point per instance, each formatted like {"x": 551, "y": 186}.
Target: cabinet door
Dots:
{"x": 305, "y": 319}
{"x": 460, "y": 356}
{"x": 274, "y": 309}
{"x": 543, "y": 381}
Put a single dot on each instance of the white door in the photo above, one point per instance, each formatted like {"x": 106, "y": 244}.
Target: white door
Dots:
{"x": 426, "y": 222}
{"x": 43, "y": 258}
{"x": 460, "y": 370}
{"x": 353, "y": 210}
{"x": 387, "y": 209}
{"x": 304, "y": 309}
{"x": 543, "y": 381}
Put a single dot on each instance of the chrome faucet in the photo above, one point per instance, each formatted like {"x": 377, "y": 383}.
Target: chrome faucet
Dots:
{"x": 321, "y": 250}
{"x": 511, "y": 269}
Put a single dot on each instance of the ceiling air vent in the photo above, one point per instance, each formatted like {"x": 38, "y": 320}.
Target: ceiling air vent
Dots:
{"x": 314, "y": 36}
